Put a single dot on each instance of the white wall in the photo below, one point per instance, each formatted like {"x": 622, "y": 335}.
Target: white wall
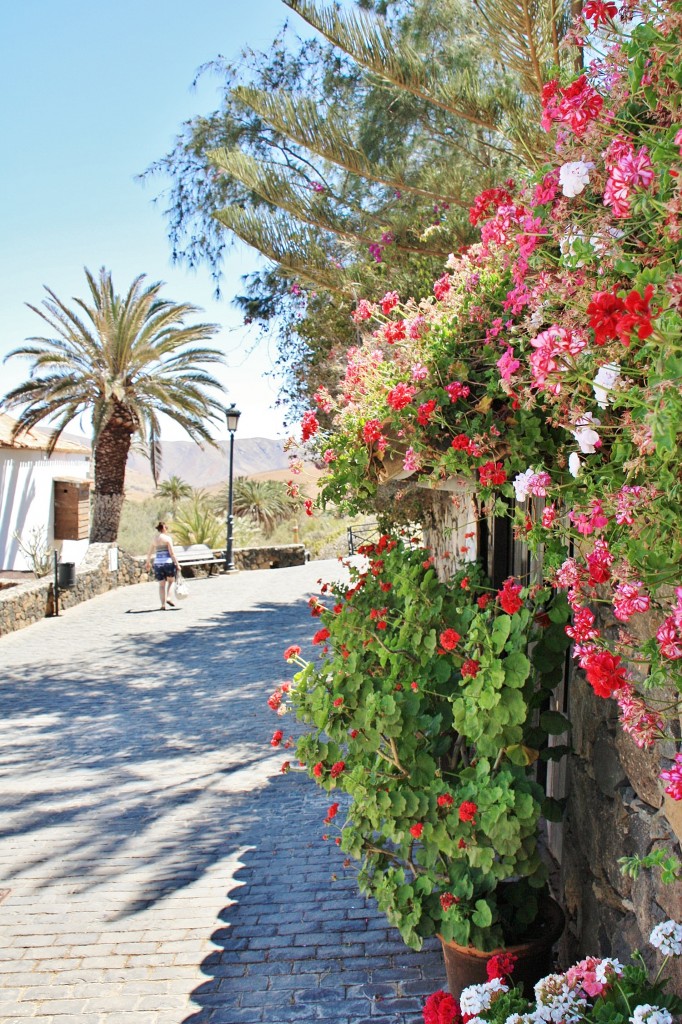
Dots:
{"x": 27, "y": 501}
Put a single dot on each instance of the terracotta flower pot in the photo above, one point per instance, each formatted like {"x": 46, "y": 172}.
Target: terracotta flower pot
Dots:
{"x": 466, "y": 965}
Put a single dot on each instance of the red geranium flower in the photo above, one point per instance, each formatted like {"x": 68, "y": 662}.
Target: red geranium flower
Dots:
{"x": 371, "y": 431}
{"x": 442, "y": 1008}
{"x": 509, "y": 599}
{"x": 501, "y": 966}
{"x": 449, "y": 639}
{"x": 309, "y": 426}
{"x": 321, "y": 635}
{"x": 425, "y": 412}
{"x": 604, "y": 312}
{"x": 444, "y": 800}
{"x": 470, "y": 668}
{"x": 389, "y": 302}
{"x": 492, "y": 474}
{"x": 416, "y": 830}
{"x": 337, "y": 768}
{"x": 400, "y": 396}
{"x": 467, "y": 811}
{"x": 447, "y": 900}
{"x": 331, "y": 813}
{"x": 276, "y": 738}
{"x": 599, "y": 12}
{"x": 637, "y": 316}
{"x": 318, "y": 770}
{"x": 605, "y": 673}
{"x": 275, "y": 699}
{"x": 292, "y": 652}
{"x": 442, "y": 286}
{"x": 394, "y": 331}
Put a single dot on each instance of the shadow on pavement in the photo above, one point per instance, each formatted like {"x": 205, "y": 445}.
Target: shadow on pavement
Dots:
{"x": 167, "y": 739}
{"x": 298, "y": 942}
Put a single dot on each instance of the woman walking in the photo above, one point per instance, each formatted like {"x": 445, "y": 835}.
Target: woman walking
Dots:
{"x": 165, "y": 564}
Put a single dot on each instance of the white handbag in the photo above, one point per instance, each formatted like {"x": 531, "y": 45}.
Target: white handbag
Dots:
{"x": 181, "y": 589}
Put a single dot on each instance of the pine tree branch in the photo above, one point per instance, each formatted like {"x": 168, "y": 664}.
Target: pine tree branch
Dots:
{"x": 326, "y": 135}
{"x": 269, "y": 182}
{"x": 372, "y": 44}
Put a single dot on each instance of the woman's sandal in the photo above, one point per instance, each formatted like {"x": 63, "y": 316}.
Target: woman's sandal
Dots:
{"x": 170, "y": 604}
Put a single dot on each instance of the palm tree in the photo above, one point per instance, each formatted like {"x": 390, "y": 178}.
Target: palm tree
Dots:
{"x": 195, "y": 522}
{"x": 265, "y": 502}
{"x": 174, "y": 489}
{"x": 127, "y": 359}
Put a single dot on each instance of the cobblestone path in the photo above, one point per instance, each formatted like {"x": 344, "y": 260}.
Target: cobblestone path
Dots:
{"x": 155, "y": 865}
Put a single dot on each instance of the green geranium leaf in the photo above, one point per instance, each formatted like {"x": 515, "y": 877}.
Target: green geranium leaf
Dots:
{"x": 482, "y": 917}
{"x": 552, "y": 810}
{"x": 554, "y": 723}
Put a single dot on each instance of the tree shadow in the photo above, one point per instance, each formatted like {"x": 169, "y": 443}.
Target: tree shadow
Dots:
{"x": 297, "y": 941}
{"x": 160, "y": 742}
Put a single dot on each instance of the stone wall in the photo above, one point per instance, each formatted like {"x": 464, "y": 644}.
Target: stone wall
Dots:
{"x": 279, "y": 556}
{"x": 616, "y": 807}
{"x": 29, "y": 602}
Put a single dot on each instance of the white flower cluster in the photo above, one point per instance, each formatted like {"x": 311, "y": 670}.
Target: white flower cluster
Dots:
{"x": 574, "y": 177}
{"x": 606, "y": 968}
{"x": 647, "y": 1014}
{"x": 667, "y": 937}
{"x": 605, "y": 383}
{"x": 521, "y": 482}
{"x": 557, "y": 1002}
{"x": 477, "y": 998}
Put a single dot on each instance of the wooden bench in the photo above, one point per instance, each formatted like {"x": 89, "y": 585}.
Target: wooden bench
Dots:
{"x": 197, "y": 555}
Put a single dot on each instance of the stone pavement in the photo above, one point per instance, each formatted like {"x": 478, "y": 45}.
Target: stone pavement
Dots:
{"x": 155, "y": 865}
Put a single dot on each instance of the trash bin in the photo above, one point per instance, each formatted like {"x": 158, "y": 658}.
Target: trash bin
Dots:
{"x": 66, "y": 575}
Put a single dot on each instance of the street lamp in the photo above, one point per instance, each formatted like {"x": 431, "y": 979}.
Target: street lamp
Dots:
{"x": 232, "y": 416}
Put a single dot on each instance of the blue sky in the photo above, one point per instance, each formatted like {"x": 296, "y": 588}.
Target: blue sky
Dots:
{"x": 93, "y": 93}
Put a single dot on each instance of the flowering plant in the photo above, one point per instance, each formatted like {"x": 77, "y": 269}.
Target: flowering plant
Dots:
{"x": 600, "y": 991}
{"x": 422, "y": 712}
{"x": 547, "y": 366}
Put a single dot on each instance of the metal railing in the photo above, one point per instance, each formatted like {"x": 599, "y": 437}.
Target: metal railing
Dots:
{"x": 358, "y": 535}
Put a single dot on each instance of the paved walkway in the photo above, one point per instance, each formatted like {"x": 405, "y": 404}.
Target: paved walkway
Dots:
{"x": 155, "y": 865}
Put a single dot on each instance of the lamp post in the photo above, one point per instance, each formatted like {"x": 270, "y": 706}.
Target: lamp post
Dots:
{"x": 232, "y": 415}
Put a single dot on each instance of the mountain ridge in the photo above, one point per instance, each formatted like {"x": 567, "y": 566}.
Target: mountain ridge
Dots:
{"x": 208, "y": 468}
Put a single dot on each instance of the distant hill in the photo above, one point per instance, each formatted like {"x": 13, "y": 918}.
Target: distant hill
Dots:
{"x": 208, "y": 468}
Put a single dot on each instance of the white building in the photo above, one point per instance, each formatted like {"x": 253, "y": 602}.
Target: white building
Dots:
{"x": 32, "y": 484}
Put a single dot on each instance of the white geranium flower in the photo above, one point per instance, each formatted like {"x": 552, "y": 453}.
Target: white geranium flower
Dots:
{"x": 556, "y": 1002}
{"x": 647, "y": 1014}
{"x": 605, "y": 382}
{"x": 574, "y": 177}
{"x": 574, "y": 464}
{"x": 521, "y": 482}
{"x": 608, "y": 966}
{"x": 603, "y": 241}
{"x": 566, "y": 243}
{"x": 585, "y": 434}
{"x": 477, "y": 998}
{"x": 667, "y": 937}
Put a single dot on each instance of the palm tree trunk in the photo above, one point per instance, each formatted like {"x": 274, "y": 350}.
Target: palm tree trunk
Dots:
{"x": 111, "y": 456}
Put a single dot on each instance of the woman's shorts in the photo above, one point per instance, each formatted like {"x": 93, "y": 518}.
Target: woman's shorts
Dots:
{"x": 164, "y": 570}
